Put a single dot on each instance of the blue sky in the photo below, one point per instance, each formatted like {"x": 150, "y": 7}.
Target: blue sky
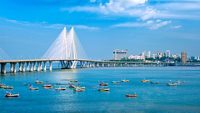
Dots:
{"x": 28, "y": 27}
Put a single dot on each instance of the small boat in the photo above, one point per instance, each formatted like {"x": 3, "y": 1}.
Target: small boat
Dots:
{"x": 145, "y": 81}
{"x": 60, "y": 88}
{"x": 33, "y": 88}
{"x": 172, "y": 84}
{"x": 7, "y": 87}
{"x": 61, "y": 84}
{"x": 131, "y": 95}
{"x": 104, "y": 89}
{"x": 38, "y": 82}
{"x": 12, "y": 95}
{"x": 47, "y": 86}
{"x": 154, "y": 82}
{"x": 103, "y": 84}
{"x": 72, "y": 86}
{"x": 2, "y": 86}
{"x": 115, "y": 82}
{"x": 79, "y": 89}
{"x": 125, "y": 80}
{"x": 73, "y": 80}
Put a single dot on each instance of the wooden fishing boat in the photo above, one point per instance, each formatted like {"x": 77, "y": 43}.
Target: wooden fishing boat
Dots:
{"x": 145, "y": 81}
{"x": 103, "y": 84}
{"x": 131, "y": 95}
{"x": 8, "y": 87}
{"x": 104, "y": 89}
{"x": 47, "y": 86}
{"x": 12, "y": 95}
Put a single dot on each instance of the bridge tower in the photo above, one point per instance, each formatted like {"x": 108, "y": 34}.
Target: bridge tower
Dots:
{"x": 65, "y": 48}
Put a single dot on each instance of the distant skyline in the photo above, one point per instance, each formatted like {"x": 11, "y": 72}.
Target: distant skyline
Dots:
{"x": 27, "y": 28}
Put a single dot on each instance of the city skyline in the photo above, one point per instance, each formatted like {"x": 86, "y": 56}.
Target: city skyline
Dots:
{"x": 101, "y": 26}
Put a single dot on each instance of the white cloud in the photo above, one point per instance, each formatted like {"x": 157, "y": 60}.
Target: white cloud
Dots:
{"x": 140, "y": 9}
{"x": 49, "y": 26}
{"x": 157, "y": 25}
{"x": 176, "y": 27}
{"x": 85, "y": 27}
{"x": 150, "y": 24}
{"x": 135, "y": 8}
{"x": 179, "y": 10}
{"x": 180, "y": 6}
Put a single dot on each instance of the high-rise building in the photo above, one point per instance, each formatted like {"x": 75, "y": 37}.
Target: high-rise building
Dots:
{"x": 184, "y": 57}
{"x": 119, "y": 54}
{"x": 143, "y": 53}
{"x": 149, "y": 54}
{"x": 168, "y": 53}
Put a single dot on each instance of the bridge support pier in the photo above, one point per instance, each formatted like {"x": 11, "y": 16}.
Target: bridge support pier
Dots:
{"x": 31, "y": 67}
{"x": 34, "y": 66}
{"x": 50, "y": 65}
{"x": 13, "y": 67}
{"x": 3, "y": 68}
{"x": 73, "y": 64}
{"x": 39, "y": 68}
{"x": 28, "y": 66}
{"x": 23, "y": 67}
{"x": 45, "y": 66}
{"x": 20, "y": 66}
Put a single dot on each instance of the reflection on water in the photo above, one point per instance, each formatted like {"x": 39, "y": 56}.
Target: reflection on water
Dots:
{"x": 151, "y": 97}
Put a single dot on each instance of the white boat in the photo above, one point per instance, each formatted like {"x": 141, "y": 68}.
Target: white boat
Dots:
{"x": 125, "y": 80}
{"x": 72, "y": 86}
{"x": 172, "y": 84}
{"x": 33, "y": 88}
{"x": 38, "y": 82}
{"x": 60, "y": 88}
{"x": 115, "y": 82}
{"x": 79, "y": 89}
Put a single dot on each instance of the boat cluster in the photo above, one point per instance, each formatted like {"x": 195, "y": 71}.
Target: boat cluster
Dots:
{"x": 170, "y": 83}
{"x": 8, "y": 94}
{"x": 75, "y": 86}
{"x": 104, "y": 87}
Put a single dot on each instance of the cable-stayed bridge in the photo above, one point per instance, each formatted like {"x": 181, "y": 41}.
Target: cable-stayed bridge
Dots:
{"x": 68, "y": 51}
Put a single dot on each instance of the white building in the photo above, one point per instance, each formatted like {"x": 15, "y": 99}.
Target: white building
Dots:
{"x": 137, "y": 57}
{"x": 119, "y": 54}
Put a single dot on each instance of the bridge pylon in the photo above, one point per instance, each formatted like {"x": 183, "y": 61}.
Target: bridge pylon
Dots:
{"x": 65, "y": 47}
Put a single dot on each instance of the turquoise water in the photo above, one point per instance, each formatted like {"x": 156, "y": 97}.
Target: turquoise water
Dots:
{"x": 151, "y": 98}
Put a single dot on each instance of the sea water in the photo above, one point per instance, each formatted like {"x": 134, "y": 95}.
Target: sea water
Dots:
{"x": 152, "y": 98}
